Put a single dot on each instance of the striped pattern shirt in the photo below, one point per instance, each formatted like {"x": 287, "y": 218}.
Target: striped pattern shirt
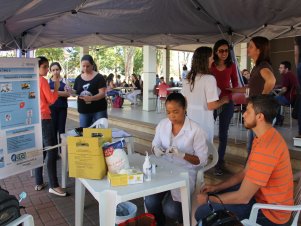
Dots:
{"x": 269, "y": 166}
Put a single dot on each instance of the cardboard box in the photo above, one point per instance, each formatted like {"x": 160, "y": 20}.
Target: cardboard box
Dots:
{"x": 132, "y": 177}
{"x": 105, "y": 134}
{"x": 86, "y": 158}
{"x": 297, "y": 142}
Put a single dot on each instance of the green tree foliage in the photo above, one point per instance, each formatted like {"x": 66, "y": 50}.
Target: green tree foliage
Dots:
{"x": 108, "y": 59}
{"x": 138, "y": 61}
{"x": 52, "y": 54}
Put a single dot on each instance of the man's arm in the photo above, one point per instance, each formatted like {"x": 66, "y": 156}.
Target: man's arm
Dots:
{"x": 234, "y": 180}
{"x": 245, "y": 193}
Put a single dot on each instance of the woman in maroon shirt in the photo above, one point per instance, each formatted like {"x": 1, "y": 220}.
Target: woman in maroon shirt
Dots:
{"x": 226, "y": 77}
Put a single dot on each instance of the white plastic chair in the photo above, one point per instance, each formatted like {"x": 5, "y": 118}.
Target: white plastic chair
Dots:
{"x": 200, "y": 178}
{"x": 295, "y": 215}
{"x": 100, "y": 123}
{"x": 25, "y": 219}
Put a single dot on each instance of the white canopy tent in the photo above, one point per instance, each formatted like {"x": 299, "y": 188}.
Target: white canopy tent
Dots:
{"x": 30, "y": 24}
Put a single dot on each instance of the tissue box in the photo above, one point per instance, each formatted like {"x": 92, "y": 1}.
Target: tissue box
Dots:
{"x": 126, "y": 177}
{"x": 297, "y": 142}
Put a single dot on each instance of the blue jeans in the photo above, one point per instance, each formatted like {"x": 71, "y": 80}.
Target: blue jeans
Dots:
{"x": 162, "y": 205}
{"x": 59, "y": 116}
{"x": 224, "y": 121}
{"x": 113, "y": 93}
{"x": 51, "y": 156}
{"x": 86, "y": 120}
{"x": 282, "y": 100}
{"x": 242, "y": 211}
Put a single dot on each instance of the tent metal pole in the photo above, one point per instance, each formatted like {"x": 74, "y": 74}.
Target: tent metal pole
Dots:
{"x": 36, "y": 36}
{"x": 12, "y": 37}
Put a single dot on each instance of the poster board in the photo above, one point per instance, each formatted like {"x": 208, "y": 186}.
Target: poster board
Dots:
{"x": 20, "y": 120}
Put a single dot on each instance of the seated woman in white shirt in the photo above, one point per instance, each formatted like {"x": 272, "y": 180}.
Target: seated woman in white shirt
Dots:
{"x": 137, "y": 90}
{"x": 181, "y": 141}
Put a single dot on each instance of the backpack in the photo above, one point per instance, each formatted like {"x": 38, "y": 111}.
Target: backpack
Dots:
{"x": 9, "y": 207}
{"x": 117, "y": 102}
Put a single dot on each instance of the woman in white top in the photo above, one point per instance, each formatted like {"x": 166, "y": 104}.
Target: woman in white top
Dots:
{"x": 201, "y": 91}
{"x": 182, "y": 142}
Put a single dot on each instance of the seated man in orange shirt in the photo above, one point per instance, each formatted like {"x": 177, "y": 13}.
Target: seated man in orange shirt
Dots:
{"x": 267, "y": 177}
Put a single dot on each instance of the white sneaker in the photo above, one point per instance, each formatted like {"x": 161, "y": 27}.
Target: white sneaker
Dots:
{"x": 51, "y": 190}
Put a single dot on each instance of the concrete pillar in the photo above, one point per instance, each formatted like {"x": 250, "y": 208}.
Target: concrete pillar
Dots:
{"x": 149, "y": 76}
{"x": 166, "y": 63}
{"x": 244, "y": 57}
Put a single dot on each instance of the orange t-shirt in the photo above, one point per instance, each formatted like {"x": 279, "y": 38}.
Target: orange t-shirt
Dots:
{"x": 269, "y": 166}
{"x": 47, "y": 97}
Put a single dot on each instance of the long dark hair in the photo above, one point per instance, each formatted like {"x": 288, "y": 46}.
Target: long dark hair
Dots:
{"x": 219, "y": 43}
{"x": 55, "y": 64}
{"x": 89, "y": 58}
{"x": 263, "y": 45}
{"x": 199, "y": 64}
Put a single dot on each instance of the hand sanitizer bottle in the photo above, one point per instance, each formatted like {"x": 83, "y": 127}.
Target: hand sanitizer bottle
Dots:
{"x": 147, "y": 168}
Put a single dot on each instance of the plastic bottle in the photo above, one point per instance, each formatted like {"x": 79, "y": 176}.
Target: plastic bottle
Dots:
{"x": 147, "y": 168}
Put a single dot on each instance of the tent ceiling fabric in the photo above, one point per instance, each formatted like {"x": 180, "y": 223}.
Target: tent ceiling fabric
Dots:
{"x": 30, "y": 24}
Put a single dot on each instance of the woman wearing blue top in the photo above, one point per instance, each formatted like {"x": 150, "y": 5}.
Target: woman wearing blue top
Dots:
{"x": 59, "y": 108}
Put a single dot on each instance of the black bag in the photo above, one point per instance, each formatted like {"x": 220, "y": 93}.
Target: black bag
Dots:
{"x": 222, "y": 217}
{"x": 9, "y": 207}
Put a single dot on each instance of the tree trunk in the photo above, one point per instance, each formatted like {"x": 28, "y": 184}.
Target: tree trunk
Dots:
{"x": 128, "y": 61}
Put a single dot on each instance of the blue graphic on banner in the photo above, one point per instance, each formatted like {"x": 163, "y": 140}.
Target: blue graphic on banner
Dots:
{"x": 22, "y": 142}
{"x": 18, "y": 103}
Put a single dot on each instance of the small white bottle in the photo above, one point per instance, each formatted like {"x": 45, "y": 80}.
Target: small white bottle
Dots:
{"x": 147, "y": 168}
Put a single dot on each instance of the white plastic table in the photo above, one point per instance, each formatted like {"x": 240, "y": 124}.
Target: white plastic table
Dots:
{"x": 168, "y": 177}
{"x": 116, "y": 133}
{"x": 174, "y": 89}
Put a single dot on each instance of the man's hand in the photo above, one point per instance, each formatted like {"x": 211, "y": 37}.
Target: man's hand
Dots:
{"x": 158, "y": 151}
{"x": 202, "y": 198}
{"x": 209, "y": 188}
{"x": 175, "y": 152}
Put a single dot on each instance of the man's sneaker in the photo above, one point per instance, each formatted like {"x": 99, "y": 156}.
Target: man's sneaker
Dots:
{"x": 218, "y": 171}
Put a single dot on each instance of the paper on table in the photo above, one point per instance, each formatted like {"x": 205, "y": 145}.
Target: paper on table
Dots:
{"x": 119, "y": 133}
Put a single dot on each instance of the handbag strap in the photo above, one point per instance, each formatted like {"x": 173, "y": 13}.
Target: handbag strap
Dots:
{"x": 210, "y": 204}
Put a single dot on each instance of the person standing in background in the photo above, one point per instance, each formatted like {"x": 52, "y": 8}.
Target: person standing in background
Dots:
{"x": 225, "y": 74}
{"x": 201, "y": 92}
{"x": 245, "y": 76}
{"x": 47, "y": 98}
{"x": 91, "y": 88}
{"x": 184, "y": 72}
{"x": 132, "y": 96}
{"x": 59, "y": 108}
{"x": 262, "y": 79}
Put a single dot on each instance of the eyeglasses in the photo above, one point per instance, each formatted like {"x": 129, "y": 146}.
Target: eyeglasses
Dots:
{"x": 221, "y": 51}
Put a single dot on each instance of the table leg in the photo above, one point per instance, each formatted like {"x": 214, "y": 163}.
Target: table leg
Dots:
{"x": 64, "y": 162}
{"x": 185, "y": 200}
{"x": 79, "y": 202}
{"x": 107, "y": 208}
{"x": 131, "y": 146}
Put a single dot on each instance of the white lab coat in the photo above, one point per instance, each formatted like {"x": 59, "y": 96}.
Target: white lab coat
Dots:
{"x": 191, "y": 140}
{"x": 205, "y": 90}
